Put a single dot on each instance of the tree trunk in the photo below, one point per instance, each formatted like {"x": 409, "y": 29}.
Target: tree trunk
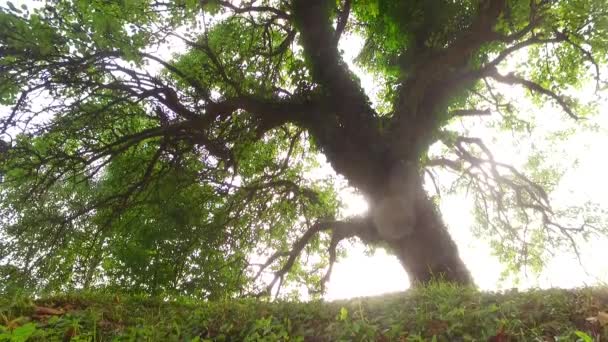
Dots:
{"x": 429, "y": 252}
{"x": 407, "y": 220}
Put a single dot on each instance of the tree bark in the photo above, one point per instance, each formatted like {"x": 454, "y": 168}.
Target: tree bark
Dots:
{"x": 406, "y": 219}
{"x": 429, "y": 252}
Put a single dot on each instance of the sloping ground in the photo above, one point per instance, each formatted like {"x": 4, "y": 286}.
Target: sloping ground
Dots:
{"x": 435, "y": 313}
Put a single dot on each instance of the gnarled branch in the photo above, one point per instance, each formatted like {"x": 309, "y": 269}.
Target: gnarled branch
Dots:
{"x": 534, "y": 87}
{"x": 340, "y": 230}
{"x": 470, "y": 112}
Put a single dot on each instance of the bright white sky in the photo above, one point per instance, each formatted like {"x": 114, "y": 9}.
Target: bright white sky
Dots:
{"x": 361, "y": 275}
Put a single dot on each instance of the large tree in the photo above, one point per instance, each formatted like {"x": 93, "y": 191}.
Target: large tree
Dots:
{"x": 125, "y": 165}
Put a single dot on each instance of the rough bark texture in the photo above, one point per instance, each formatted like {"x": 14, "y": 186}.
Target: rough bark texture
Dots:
{"x": 428, "y": 251}
{"x": 407, "y": 220}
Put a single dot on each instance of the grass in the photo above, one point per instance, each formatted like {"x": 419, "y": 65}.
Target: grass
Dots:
{"x": 438, "y": 312}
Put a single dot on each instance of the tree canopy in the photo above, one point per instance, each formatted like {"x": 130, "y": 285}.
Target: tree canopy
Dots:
{"x": 173, "y": 147}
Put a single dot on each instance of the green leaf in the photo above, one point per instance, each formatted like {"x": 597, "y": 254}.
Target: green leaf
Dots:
{"x": 343, "y": 315}
{"x": 584, "y": 337}
{"x": 23, "y": 333}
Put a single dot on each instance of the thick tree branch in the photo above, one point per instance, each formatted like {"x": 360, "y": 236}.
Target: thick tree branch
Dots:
{"x": 457, "y": 53}
{"x": 342, "y": 20}
{"x": 534, "y": 87}
{"x": 340, "y": 230}
{"x": 470, "y": 112}
{"x": 248, "y": 9}
{"x": 282, "y": 48}
{"x": 270, "y": 113}
{"x": 535, "y": 40}
{"x": 432, "y": 78}
{"x": 329, "y": 70}
{"x": 346, "y": 129}
{"x": 444, "y": 162}
{"x": 534, "y": 19}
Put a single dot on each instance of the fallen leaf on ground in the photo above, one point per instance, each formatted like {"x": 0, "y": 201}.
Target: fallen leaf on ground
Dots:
{"x": 41, "y": 310}
{"x": 500, "y": 337}
{"x": 601, "y": 318}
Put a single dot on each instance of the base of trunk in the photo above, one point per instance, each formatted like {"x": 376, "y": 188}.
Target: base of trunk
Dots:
{"x": 407, "y": 220}
{"x": 425, "y": 261}
{"x": 428, "y": 251}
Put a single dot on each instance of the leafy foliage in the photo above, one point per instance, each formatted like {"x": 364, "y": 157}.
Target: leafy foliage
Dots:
{"x": 436, "y": 312}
